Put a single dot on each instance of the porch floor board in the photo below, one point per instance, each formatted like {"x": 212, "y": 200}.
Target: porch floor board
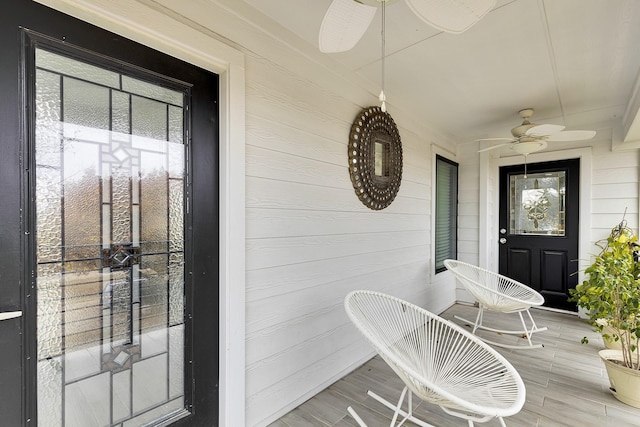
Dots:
{"x": 566, "y": 382}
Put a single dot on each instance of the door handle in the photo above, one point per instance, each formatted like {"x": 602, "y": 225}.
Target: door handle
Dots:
{"x": 502, "y": 240}
{"x": 10, "y": 315}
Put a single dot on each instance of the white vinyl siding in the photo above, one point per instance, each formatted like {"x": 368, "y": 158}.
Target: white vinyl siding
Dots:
{"x": 309, "y": 239}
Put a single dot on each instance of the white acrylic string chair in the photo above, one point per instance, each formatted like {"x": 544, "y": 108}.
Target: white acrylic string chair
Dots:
{"x": 496, "y": 292}
{"x": 438, "y": 361}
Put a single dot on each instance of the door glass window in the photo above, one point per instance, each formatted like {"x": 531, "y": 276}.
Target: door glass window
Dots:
{"x": 537, "y": 203}
{"x": 110, "y": 251}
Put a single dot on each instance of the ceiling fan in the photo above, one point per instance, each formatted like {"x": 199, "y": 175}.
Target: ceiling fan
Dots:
{"x": 346, "y": 21}
{"x": 531, "y": 137}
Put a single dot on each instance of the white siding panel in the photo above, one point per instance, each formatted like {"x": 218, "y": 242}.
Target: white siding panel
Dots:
{"x": 274, "y": 194}
{"x": 271, "y": 282}
{"x": 309, "y": 240}
{"x": 265, "y": 253}
{"x": 278, "y": 136}
{"x": 272, "y": 223}
{"x": 607, "y": 221}
{"x": 469, "y": 211}
{"x": 468, "y": 246}
{"x": 304, "y": 307}
{"x": 283, "y": 107}
{"x": 616, "y": 205}
{"x": 266, "y": 406}
{"x": 416, "y": 173}
{"x": 468, "y": 208}
{"x": 468, "y": 234}
{"x": 266, "y": 342}
{"x": 605, "y": 159}
{"x": 616, "y": 175}
{"x": 613, "y": 191}
{"x": 470, "y": 222}
{"x": 296, "y": 360}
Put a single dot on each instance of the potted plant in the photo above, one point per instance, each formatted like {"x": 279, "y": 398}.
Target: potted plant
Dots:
{"x": 611, "y": 297}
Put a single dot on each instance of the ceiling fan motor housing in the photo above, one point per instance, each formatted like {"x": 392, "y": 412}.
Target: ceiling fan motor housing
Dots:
{"x": 520, "y": 131}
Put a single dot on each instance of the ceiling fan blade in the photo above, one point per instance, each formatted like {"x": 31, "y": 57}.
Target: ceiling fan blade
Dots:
{"x": 343, "y": 25}
{"x": 572, "y": 135}
{"x": 451, "y": 16}
{"x": 544, "y": 130}
{"x": 494, "y": 147}
{"x": 497, "y": 139}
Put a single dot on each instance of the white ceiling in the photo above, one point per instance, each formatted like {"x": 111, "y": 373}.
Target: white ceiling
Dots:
{"x": 576, "y": 62}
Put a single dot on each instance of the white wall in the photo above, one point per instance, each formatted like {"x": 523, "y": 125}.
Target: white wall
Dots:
{"x": 309, "y": 240}
{"x": 469, "y": 189}
{"x": 614, "y": 189}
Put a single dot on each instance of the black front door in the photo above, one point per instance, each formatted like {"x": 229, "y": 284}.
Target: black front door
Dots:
{"x": 539, "y": 223}
{"x": 109, "y": 228}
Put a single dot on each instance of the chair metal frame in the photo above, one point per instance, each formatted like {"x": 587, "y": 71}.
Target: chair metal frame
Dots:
{"x": 438, "y": 361}
{"x": 498, "y": 293}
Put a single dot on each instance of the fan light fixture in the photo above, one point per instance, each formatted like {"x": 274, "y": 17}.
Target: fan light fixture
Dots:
{"x": 530, "y": 137}
{"x": 527, "y": 147}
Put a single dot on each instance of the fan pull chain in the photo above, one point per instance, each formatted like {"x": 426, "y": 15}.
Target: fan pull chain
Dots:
{"x": 525, "y": 166}
{"x": 382, "y": 97}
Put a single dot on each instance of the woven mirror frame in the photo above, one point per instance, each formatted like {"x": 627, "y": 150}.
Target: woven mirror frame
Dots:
{"x": 375, "y": 158}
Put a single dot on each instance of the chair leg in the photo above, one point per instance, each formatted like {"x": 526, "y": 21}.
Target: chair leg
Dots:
{"x": 524, "y": 326}
{"x": 395, "y": 414}
{"x": 408, "y": 416}
{"x": 534, "y": 327}
{"x": 527, "y": 331}
{"x": 356, "y": 417}
{"x": 478, "y": 323}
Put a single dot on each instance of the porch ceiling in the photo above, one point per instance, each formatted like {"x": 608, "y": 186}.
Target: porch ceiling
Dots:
{"x": 575, "y": 61}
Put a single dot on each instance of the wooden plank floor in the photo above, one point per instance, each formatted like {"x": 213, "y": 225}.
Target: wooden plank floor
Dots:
{"x": 566, "y": 382}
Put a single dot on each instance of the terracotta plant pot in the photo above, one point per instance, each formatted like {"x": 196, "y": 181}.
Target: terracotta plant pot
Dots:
{"x": 625, "y": 382}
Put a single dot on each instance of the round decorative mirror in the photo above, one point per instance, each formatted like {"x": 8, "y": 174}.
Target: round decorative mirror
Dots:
{"x": 375, "y": 158}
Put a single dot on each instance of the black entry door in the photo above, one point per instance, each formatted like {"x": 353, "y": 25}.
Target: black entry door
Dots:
{"x": 539, "y": 223}
{"x": 108, "y": 228}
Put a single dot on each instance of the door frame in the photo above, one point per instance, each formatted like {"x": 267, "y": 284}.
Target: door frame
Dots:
{"x": 537, "y": 250}
{"x": 488, "y": 245}
{"x": 151, "y": 27}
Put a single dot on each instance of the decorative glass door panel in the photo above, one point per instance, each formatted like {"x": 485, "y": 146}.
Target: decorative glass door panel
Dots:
{"x": 537, "y": 204}
{"x": 110, "y": 214}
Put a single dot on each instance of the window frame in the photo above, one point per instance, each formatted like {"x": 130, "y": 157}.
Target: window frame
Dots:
{"x": 453, "y": 217}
